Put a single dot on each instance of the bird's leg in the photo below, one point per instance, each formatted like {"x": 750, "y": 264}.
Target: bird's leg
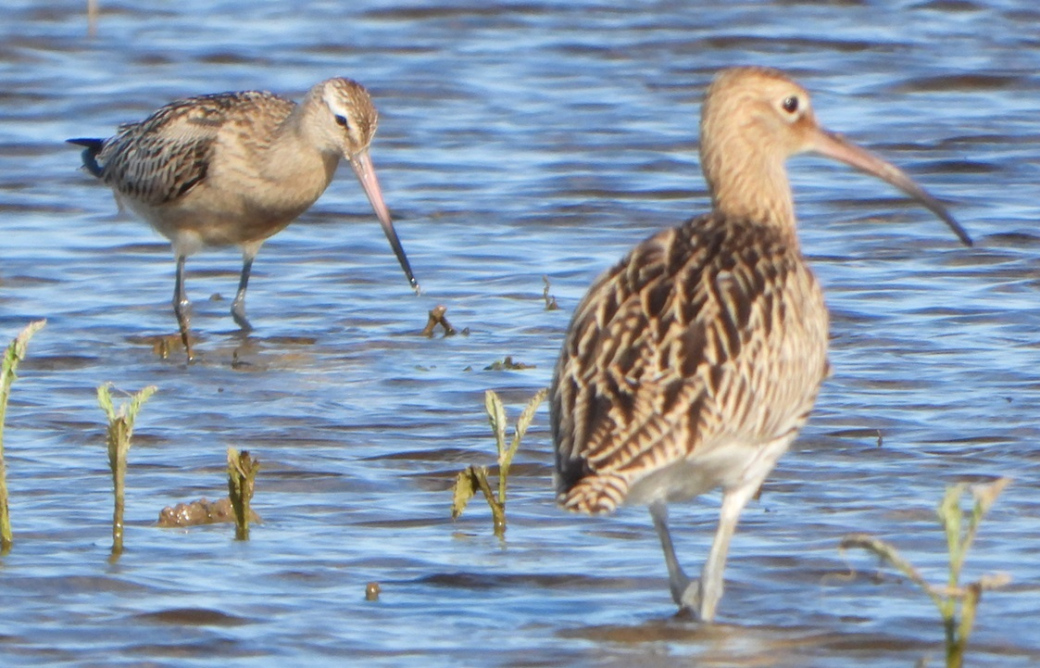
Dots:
{"x": 678, "y": 581}
{"x": 238, "y": 307}
{"x": 711, "y": 583}
{"x": 181, "y": 306}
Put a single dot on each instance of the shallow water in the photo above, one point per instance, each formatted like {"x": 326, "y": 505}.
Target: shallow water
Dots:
{"x": 517, "y": 140}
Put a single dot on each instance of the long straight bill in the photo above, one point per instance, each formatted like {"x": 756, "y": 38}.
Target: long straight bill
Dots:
{"x": 837, "y": 147}
{"x": 366, "y": 174}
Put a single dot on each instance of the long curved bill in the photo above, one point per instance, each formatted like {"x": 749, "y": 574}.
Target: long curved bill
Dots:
{"x": 366, "y": 174}
{"x": 837, "y": 147}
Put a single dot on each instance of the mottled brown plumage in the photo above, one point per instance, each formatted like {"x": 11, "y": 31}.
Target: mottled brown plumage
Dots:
{"x": 675, "y": 335}
{"x": 693, "y": 363}
{"x": 236, "y": 168}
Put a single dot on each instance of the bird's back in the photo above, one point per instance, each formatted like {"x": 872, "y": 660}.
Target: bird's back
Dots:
{"x": 165, "y": 156}
{"x": 708, "y": 336}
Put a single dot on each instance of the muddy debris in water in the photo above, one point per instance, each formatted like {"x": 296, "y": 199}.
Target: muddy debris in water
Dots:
{"x": 162, "y": 345}
{"x": 508, "y": 364}
{"x": 550, "y": 301}
{"x": 372, "y": 590}
{"x": 291, "y": 340}
{"x": 437, "y": 317}
{"x": 237, "y": 362}
{"x": 200, "y": 512}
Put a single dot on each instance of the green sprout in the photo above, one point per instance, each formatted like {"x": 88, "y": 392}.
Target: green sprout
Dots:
{"x": 14, "y": 354}
{"x": 476, "y": 477}
{"x": 120, "y": 429}
{"x": 242, "y": 470}
{"x": 958, "y": 541}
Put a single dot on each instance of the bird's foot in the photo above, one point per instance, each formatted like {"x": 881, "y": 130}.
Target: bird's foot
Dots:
{"x": 688, "y": 597}
{"x": 695, "y": 602}
{"x": 186, "y": 340}
{"x": 181, "y": 308}
{"x": 685, "y": 592}
{"x": 238, "y": 312}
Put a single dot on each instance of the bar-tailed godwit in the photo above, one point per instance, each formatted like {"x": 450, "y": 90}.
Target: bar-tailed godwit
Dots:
{"x": 236, "y": 168}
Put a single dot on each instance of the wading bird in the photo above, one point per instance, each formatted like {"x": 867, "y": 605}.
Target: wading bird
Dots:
{"x": 236, "y": 168}
{"x": 693, "y": 363}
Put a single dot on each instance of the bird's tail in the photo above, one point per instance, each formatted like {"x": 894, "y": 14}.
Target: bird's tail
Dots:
{"x": 90, "y": 153}
{"x": 595, "y": 494}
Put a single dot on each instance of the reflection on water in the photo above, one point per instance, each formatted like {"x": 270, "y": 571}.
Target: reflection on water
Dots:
{"x": 516, "y": 141}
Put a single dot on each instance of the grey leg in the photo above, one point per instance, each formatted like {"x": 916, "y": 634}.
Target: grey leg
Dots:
{"x": 680, "y": 584}
{"x": 238, "y": 307}
{"x": 181, "y": 306}
{"x": 711, "y": 584}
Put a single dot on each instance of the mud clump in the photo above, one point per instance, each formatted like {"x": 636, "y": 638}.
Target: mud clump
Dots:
{"x": 200, "y": 512}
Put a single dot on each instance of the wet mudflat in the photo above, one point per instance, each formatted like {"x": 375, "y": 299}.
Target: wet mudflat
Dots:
{"x": 516, "y": 141}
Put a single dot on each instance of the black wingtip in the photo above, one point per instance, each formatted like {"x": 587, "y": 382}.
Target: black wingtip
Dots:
{"x": 90, "y": 153}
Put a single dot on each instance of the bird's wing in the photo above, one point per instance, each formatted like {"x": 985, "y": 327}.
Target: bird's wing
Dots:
{"x": 164, "y": 156}
{"x": 691, "y": 341}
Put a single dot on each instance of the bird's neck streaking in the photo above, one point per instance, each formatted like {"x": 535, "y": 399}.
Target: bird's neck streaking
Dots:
{"x": 750, "y": 184}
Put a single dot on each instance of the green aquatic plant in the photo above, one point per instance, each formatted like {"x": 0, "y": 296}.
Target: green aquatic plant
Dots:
{"x": 242, "y": 470}
{"x": 14, "y": 354}
{"x": 474, "y": 478}
{"x": 120, "y": 429}
{"x": 958, "y": 540}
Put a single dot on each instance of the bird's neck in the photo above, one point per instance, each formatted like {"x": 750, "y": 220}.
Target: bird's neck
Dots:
{"x": 747, "y": 185}
{"x": 296, "y": 154}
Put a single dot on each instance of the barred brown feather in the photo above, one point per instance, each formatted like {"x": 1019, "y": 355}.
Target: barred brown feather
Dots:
{"x": 706, "y": 334}
{"x": 164, "y": 156}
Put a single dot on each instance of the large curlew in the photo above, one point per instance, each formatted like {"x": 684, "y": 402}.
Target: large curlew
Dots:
{"x": 693, "y": 363}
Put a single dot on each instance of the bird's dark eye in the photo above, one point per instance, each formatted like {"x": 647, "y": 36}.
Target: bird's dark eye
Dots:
{"x": 342, "y": 121}
{"x": 790, "y": 104}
